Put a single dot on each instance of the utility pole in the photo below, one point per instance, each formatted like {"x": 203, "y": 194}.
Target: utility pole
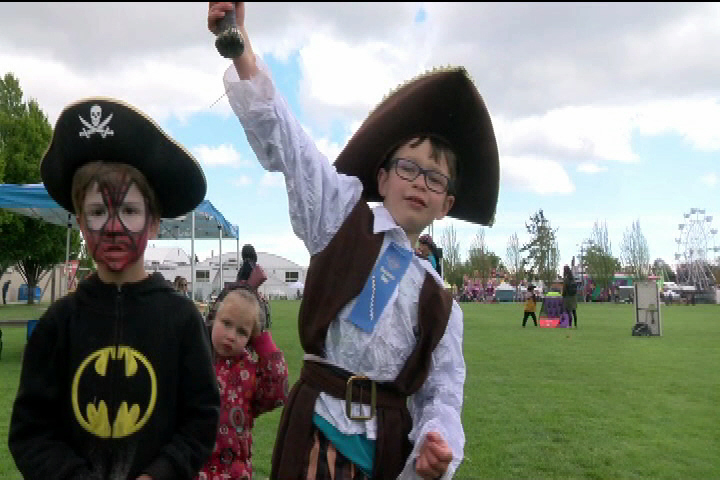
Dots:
{"x": 582, "y": 268}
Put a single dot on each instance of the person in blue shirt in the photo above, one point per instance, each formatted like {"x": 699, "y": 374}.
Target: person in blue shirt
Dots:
{"x": 428, "y": 250}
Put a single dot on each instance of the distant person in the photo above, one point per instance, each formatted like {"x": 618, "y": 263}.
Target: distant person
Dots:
{"x": 249, "y": 261}
{"x": 428, "y": 250}
{"x": 530, "y": 306}
{"x": 667, "y": 296}
{"x": 6, "y": 287}
{"x": 181, "y": 286}
{"x": 569, "y": 294}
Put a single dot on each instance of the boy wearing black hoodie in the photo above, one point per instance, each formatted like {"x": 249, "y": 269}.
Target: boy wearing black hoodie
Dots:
{"x": 117, "y": 379}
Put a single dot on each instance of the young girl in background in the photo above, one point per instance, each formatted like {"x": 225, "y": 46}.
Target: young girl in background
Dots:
{"x": 251, "y": 372}
{"x": 530, "y": 304}
{"x": 426, "y": 249}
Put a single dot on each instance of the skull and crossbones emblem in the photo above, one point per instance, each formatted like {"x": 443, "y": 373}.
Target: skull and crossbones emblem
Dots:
{"x": 96, "y": 124}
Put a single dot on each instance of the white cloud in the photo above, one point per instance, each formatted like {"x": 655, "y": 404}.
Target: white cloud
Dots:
{"x": 158, "y": 85}
{"x": 561, "y": 103}
{"x": 696, "y": 119}
{"x": 221, "y": 155}
{"x": 535, "y": 174}
{"x": 573, "y": 105}
{"x": 272, "y": 179}
{"x": 362, "y": 70}
{"x": 571, "y": 134}
{"x": 591, "y": 168}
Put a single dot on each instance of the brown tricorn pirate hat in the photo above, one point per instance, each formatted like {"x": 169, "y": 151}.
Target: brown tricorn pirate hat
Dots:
{"x": 443, "y": 103}
{"x": 110, "y": 130}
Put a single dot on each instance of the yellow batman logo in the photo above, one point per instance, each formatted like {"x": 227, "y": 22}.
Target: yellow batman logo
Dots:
{"x": 127, "y": 418}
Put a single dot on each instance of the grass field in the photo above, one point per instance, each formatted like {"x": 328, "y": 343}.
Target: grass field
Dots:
{"x": 591, "y": 403}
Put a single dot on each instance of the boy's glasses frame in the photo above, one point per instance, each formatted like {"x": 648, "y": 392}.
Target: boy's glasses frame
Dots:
{"x": 409, "y": 170}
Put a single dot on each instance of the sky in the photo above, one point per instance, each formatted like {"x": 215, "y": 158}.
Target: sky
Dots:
{"x": 606, "y": 113}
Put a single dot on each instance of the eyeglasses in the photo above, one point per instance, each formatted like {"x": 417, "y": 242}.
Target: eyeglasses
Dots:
{"x": 409, "y": 170}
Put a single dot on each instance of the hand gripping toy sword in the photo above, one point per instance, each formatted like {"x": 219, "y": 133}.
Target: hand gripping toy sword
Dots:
{"x": 229, "y": 41}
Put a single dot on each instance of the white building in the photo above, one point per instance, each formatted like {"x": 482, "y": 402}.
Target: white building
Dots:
{"x": 285, "y": 278}
{"x": 166, "y": 255}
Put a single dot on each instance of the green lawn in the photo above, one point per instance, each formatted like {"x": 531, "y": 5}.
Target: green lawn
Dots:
{"x": 18, "y": 311}
{"x": 591, "y": 403}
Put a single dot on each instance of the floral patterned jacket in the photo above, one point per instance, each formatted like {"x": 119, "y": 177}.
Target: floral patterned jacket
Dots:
{"x": 250, "y": 384}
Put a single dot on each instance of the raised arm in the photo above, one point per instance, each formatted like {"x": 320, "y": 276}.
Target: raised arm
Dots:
{"x": 272, "y": 375}
{"x": 319, "y": 198}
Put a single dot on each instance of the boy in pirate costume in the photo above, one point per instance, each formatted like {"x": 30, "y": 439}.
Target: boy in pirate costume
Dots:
{"x": 381, "y": 388}
{"x": 117, "y": 379}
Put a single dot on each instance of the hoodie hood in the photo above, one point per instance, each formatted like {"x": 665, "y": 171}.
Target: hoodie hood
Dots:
{"x": 93, "y": 288}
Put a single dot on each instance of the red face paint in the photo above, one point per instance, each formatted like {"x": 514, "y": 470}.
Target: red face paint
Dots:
{"x": 116, "y": 223}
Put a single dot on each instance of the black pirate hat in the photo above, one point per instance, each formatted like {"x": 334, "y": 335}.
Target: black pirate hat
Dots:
{"x": 443, "y": 103}
{"x": 110, "y": 130}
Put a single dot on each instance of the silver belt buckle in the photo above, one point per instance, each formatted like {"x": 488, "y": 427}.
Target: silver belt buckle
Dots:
{"x": 348, "y": 397}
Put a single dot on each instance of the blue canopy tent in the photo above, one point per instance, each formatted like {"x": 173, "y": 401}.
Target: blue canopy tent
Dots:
{"x": 204, "y": 222}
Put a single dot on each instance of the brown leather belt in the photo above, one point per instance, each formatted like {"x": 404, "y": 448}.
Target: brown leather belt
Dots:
{"x": 352, "y": 388}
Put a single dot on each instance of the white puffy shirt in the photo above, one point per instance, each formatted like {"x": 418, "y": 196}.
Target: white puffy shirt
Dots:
{"x": 320, "y": 199}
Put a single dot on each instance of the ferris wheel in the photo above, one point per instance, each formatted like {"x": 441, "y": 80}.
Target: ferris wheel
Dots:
{"x": 697, "y": 250}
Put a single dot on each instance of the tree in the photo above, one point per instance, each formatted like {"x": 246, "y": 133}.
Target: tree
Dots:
{"x": 452, "y": 267}
{"x": 599, "y": 261}
{"x": 663, "y": 270}
{"x": 542, "y": 250}
{"x": 25, "y": 133}
{"x": 635, "y": 252}
{"x": 480, "y": 258}
{"x": 515, "y": 262}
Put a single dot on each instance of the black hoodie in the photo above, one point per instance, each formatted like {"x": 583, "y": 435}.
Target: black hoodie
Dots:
{"x": 116, "y": 382}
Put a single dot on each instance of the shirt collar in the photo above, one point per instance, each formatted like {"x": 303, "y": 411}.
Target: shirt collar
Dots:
{"x": 384, "y": 223}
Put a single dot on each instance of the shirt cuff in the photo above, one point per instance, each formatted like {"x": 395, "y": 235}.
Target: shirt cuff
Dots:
{"x": 244, "y": 95}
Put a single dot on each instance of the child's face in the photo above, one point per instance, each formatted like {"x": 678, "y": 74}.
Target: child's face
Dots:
{"x": 411, "y": 203}
{"x": 116, "y": 225}
{"x": 233, "y": 324}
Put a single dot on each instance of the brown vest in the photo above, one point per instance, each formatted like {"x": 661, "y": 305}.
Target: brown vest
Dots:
{"x": 335, "y": 276}
{"x": 338, "y": 274}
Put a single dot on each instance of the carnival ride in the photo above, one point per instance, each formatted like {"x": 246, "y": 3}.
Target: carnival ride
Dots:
{"x": 697, "y": 250}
